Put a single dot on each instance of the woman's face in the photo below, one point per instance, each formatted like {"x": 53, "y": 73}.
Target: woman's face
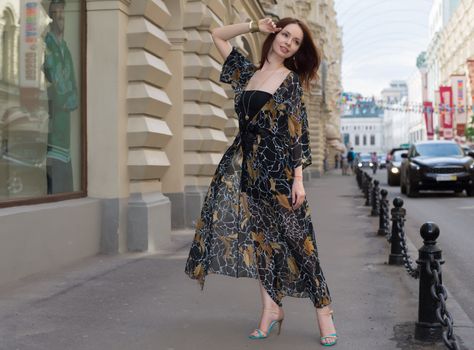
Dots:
{"x": 288, "y": 41}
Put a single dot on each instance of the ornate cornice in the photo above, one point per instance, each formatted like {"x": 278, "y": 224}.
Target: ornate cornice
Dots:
{"x": 101, "y": 5}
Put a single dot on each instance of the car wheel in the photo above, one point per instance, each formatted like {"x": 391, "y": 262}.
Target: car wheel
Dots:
{"x": 403, "y": 188}
{"x": 390, "y": 181}
{"x": 411, "y": 191}
{"x": 470, "y": 191}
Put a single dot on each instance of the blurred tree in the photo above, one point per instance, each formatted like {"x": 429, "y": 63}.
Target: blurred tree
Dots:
{"x": 469, "y": 133}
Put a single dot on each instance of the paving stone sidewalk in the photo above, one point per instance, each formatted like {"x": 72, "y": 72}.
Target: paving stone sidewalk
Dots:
{"x": 144, "y": 301}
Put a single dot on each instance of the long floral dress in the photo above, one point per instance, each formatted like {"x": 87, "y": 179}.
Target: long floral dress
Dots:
{"x": 247, "y": 226}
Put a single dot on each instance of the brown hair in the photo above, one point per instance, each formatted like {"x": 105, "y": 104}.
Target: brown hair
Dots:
{"x": 305, "y": 62}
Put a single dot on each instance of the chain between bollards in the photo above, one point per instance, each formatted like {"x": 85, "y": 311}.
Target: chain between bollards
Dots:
{"x": 407, "y": 261}
{"x": 432, "y": 312}
{"x": 434, "y": 320}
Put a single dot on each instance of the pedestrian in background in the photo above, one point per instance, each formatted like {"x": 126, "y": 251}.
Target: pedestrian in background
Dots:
{"x": 344, "y": 165}
{"x": 350, "y": 158}
{"x": 336, "y": 160}
{"x": 375, "y": 162}
{"x": 255, "y": 221}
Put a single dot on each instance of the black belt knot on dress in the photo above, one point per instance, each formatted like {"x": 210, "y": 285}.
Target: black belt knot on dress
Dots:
{"x": 249, "y": 136}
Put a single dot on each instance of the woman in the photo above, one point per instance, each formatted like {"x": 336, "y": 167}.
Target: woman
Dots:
{"x": 255, "y": 221}
{"x": 375, "y": 162}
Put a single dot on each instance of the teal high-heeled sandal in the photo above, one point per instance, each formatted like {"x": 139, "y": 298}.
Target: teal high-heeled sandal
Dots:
{"x": 262, "y": 335}
{"x": 332, "y": 336}
{"x": 329, "y": 336}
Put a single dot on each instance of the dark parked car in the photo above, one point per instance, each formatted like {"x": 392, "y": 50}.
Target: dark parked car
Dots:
{"x": 394, "y": 162}
{"x": 363, "y": 160}
{"x": 382, "y": 162}
{"x": 436, "y": 165}
{"x": 468, "y": 151}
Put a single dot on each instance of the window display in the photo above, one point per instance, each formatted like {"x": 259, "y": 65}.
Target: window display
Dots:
{"x": 40, "y": 114}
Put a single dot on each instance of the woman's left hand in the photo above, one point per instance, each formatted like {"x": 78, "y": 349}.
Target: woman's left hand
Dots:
{"x": 298, "y": 193}
{"x": 266, "y": 25}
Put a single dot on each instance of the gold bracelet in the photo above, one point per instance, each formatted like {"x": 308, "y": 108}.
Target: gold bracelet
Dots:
{"x": 253, "y": 27}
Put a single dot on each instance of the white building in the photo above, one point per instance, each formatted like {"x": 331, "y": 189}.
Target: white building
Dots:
{"x": 395, "y": 125}
{"x": 395, "y": 121}
{"x": 440, "y": 15}
{"x": 395, "y": 92}
{"x": 362, "y": 127}
{"x": 414, "y": 114}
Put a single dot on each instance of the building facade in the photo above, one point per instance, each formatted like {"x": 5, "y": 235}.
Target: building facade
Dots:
{"x": 395, "y": 125}
{"x": 113, "y": 119}
{"x": 416, "y": 123}
{"x": 450, "y": 60}
{"x": 395, "y": 92}
{"x": 362, "y": 127}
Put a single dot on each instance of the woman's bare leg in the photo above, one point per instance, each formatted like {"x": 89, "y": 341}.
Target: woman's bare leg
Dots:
{"x": 270, "y": 311}
{"x": 326, "y": 324}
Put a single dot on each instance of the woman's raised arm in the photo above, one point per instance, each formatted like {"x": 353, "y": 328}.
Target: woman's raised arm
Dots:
{"x": 222, "y": 35}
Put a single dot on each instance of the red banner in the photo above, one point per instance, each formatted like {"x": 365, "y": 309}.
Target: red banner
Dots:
{"x": 446, "y": 111}
{"x": 428, "y": 114}
{"x": 458, "y": 84}
{"x": 437, "y": 111}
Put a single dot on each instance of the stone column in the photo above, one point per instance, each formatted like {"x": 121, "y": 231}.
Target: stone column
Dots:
{"x": 107, "y": 117}
{"x": 173, "y": 180}
{"x": 149, "y": 217}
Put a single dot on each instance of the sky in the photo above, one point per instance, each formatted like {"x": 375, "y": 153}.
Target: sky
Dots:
{"x": 381, "y": 39}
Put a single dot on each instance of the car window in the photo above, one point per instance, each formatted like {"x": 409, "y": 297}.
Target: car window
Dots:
{"x": 439, "y": 150}
{"x": 397, "y": 155}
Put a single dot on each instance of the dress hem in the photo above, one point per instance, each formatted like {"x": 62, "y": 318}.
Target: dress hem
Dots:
{"x": 201, "y": 282}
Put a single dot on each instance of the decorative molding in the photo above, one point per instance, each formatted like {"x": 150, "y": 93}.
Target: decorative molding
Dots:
{"x": 108, "y": 5}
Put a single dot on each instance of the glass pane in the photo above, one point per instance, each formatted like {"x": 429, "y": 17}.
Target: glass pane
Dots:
{"x": 39, "y": 98}
{"x": 439, "y": 150}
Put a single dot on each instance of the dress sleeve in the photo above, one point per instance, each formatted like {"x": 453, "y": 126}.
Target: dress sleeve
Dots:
{"x": 298, "y": 127}
{"x": 237, "y": 70}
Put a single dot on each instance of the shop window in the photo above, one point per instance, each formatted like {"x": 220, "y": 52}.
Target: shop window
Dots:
{"x": 40, "y": 101}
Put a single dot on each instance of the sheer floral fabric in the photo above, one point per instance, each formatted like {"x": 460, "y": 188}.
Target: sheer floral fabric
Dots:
{"x": 248, "y": 227}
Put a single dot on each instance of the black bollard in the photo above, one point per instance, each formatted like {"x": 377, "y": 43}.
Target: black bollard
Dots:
{"x": 428, "y": 327}
{"x": 375, "y": 199}
{"x": 368, "y": 186}
{"x": 383, "y": 208}
{"x": 362, "y": 181}
{"x": 398, "y": 217}
{"x": 358, "y": 177}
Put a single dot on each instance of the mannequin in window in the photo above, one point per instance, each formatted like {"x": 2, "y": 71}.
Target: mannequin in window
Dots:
{"x": 62, "y": 99}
